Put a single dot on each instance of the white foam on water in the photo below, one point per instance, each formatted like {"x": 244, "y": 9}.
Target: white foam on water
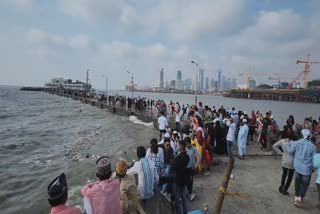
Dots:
{"x": 135, "y": 120}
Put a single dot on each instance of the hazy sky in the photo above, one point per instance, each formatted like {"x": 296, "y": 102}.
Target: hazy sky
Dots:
{"x": 42, "y": 39}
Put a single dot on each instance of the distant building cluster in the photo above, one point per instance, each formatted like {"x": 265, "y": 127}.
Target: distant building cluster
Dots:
{"x": 205, "y": 83}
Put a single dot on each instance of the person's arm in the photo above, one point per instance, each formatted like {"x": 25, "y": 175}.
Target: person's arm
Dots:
{"x": 198, "y": 158}
{"x": 124, "y": 199}
{"x": 148, "y": 153}
{"x": 316, "y": 161}
{"x": 86, "y": 190}
{"x": 291, "y": 147}
{"x": 166, "y": 122}
{"x": 276, "y": 147}
{"x": 134, "y": 169}
{"x": 161, "y": 155}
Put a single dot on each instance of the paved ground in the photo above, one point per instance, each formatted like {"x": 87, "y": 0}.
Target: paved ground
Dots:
{"x": 259, "y": 177}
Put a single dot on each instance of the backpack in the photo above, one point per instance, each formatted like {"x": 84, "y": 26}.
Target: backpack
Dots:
{"x": 200, "y": 121}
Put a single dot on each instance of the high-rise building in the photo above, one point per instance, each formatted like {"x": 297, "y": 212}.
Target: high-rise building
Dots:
{"x": 188, "y": 84}
{"x": 179, "y": 75}
{"x": 161, "y": 82}
{"x": 212, "y": 81}
{"x": 223, "y": 83}
{"x": 219, "y": 81}
{"x": 228, "y": 83}
{"x": 234, "y": 83}
{"x": 201, "y": 79}
{"x": 207, "y": 84}
{"x": 173, "y": 84}
{"x": 253, "y": 84}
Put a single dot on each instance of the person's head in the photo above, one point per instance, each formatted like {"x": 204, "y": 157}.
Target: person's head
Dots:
{"x": 206, "y": 108}
{"x": 186, "y": 129}
{"x": 104, "y": 171}
{"x": 58, "y": 191}
{"x": 268, "y": 114}
{"x": 153, "y": 141}
{"x": 154, "y": 148}
{"x": 306, "y": 134}
{"x": 244, "y": 121}
{"x": 141, "y": 152}
{"x": 231, "y": 120}
{"x": 162, "y": 113}
{"x": 188, "y": 142}
{"x": 167, "y": 143}
{"x": 192, "y": 112}
{"x": 181, "y": 145}
{"x": 121, "y": 168}
{"x": 200, "y": 104}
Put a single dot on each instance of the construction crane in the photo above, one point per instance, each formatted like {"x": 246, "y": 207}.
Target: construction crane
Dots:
{"x": 307, "y": 69}
{"x": 248, "y": 79}
{"x": 291, "y": 84}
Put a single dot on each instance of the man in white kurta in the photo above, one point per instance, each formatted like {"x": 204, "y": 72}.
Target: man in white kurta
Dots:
{"x": 243, "y": 138}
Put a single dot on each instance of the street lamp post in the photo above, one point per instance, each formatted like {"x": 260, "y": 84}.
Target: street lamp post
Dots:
{"x": 197, "y": 81}
{"x": 131, "y": 83}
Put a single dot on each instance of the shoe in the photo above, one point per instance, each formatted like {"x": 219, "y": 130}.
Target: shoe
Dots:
{"x": 206, "y": 173}
{"x": 281, "y": 189}
{"x": 168, "y": 197}
{"x": 285, "y": 192}
{"x": 192, "y": 196}
{"x": 298, "y": 202}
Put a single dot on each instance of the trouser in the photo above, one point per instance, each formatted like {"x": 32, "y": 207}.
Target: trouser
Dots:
{"x": 190, "y": 173}
{"x": 251, "y": 133}
{"x": 318, "y": 187}
{"x": 242, "y": 151}
{"x": 160, "y": 134}
{"x": 286, "y": 173}
{"x": 165, "y": 187}
{"x": 229, "y": 148}
{"x": 263, "y": 140}
{"x": 180, "y": 199}
{"x": 301, "y": 184}
{"x": 178, "y": 128}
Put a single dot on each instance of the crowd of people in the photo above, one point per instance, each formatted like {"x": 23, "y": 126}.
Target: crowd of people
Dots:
{"x": 170, "y": 163}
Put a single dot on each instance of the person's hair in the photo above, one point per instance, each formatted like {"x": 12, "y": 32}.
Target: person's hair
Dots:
{"x": 166, "y": 139}
{"x": 182, "y": 143}
{"x": 185, "y": 129}
{"x": 141, "y": 152}
{"x": 60, "y": 201}
{"x": 120, "y": 176}
{"x": 154, "y": 148}
{"x": 187, "y": 140}
{"x": 104, "y": 177}
{"x": 153, "y": 141}
{"x": 162, "y": 112}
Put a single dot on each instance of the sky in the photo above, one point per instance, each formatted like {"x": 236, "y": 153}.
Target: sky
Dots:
{"x": 43, "y": 39}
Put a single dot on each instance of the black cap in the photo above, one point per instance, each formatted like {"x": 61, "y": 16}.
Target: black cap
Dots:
{"x": 58, "y": 187}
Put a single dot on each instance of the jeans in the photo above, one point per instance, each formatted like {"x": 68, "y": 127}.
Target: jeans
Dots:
{"x": 179, "y": 198}
{"x": 263, "y": 140}
{"x": 160, "y": 134}
{"x": 229, "y": 148}
{"x": 301, "y": 184}
{"x": 178, "y": 127}
{"x": 286, "y": 173}
{"x": 165, "y": 187}
{"x": 190, "y": 173}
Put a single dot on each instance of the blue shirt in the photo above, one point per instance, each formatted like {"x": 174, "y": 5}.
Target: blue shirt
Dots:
{"x": 316, "y": 164}
{"x": 303, "y": 151}
{"x": 192, "y": 152}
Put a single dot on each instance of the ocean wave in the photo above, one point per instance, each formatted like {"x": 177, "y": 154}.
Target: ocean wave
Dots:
{"x": 135, "y": 120}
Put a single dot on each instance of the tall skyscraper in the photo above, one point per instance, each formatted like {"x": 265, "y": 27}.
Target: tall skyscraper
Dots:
{"x": 228, "y": 83}
{"x": 201, "y": 79}
{"x": 179, "y": 75}
{"x": 234, "y": 83}
{"x": 188, "y": 84}
{"x": 212, "y": 83}
{"x": 219, "y": 81}
{"x": 161, "y": 83}
{"x": 207, "y": 83}
{"x": 223, "y": 83}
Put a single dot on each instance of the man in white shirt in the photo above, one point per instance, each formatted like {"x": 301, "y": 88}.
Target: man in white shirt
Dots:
{"x": 148, "y": 178}
{"x": 163, "y": 124}
{"x": 231, "y": 135}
